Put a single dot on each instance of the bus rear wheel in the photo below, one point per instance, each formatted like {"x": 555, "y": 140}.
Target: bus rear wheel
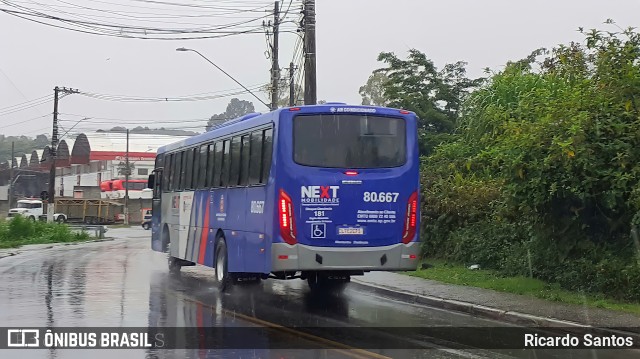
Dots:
{"x": 174, "y": 265}
{"x": 223, "y": 277}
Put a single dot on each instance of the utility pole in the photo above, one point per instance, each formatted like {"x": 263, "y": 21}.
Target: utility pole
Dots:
{"x": 275, "y": 67}
{"x": 52, "y": 157}
{"x": 310, "y": 86}
{"x": 126, "y": 183}
{"x": 52, "y": 151}
{"x": 13, "y": 156}
{"x": 292, "y": 90}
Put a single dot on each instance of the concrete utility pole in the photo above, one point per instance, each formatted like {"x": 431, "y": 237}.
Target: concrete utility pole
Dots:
{"x": 52, "y": 151}
{"x": 275, "y": 67}
{"x": 126, "y": 183}
{"x": 52, "y": 157}
{"x": 292, "y": 89}
{"x": 310, "y": 86}
{"x": 13, "y": 156}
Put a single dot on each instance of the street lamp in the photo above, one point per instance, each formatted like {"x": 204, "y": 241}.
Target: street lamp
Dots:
{"x": 72, "y": 127}
{"x": 224, "y": 72}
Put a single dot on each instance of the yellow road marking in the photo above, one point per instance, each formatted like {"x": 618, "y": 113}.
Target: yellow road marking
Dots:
{"x": 344, "y": 349}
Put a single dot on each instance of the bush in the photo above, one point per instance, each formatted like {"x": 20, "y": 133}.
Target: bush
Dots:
{"x": 542, "y": 177}
{"x": 21, "y": 231}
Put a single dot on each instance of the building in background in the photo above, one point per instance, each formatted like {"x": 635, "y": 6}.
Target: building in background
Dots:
{"x": 88, "y": 166}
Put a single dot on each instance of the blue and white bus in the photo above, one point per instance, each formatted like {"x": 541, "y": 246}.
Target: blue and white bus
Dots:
{"x": 319, "y": 192}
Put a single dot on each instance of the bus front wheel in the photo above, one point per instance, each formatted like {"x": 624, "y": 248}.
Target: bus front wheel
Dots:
{"x": 222, "y": 269}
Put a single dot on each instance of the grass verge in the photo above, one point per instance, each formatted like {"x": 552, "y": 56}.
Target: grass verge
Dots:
{"x": 20, "y": 231}
{"x": 458, "y": 274}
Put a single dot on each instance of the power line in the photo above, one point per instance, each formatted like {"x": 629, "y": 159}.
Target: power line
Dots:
{"x": 123, "y": 98}
{"x": 38, "y": 130}
{"x": 26, "y": 103}
{"x": 149, "y": 30}
{"x": 87, "y": 23}
{"x": 35, "y": 104}
{"x": 25, "y": 121}
{"x": 99, "y": 14}
{"x": 154, "y": 122}
{"x": 287, "y": 11}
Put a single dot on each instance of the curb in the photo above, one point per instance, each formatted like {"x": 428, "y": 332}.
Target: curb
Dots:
{"x": 53, "y": 245}
{"x": 10, "y": 254}
{"x": 513, "y": 317}
{"x": 85, "y": 242}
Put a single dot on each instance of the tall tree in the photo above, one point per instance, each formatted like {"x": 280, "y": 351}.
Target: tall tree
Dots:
{"x": 23, "y": 144}
{"x": 122, "y": 168}
{"x": 373, "y": 91}
{"x": 236, "y": 108}
{"x": 434, "y": 95}
{"x": 41, "y": 140}
{"x": 283, "y": 92}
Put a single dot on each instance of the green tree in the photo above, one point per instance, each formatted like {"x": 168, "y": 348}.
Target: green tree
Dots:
{"x": 284, "y": 92}
{"x": 236, "y": 108}
{"x": 373, "y": 91}
{"x": 41, "y": 141}
{"x": 22, "y": 145}
{"x": 122, "y": 168}
{"x": 434, "y": 95}
{"x": 544, "y": 177}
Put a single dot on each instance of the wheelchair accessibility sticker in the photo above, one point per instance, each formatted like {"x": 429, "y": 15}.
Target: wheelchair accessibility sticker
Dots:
{"x": 318, "y": 230}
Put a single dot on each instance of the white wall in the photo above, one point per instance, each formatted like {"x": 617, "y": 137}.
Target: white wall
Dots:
{"x": 4, "y": 193}
{"x": 85, "y": 179}
{"x": 82, "y": 175}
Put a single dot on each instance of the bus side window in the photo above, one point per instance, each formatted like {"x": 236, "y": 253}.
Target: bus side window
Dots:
{"x": 255, "y": 157}
{"x": 177, "y": 168}
{"x": 217, "y": 169}
{"x": 211, "y": 167}
{"x": 226, "y": 164}
{"x": 267, "y": 148}
{"x": 202, "y": 174}
{"x": 244, "y": 161}
{"x": 167, "y": 173}
{"x": 234, "y": 172}
{"x": 187, "y": 169}
{"x": 195, "y": 167}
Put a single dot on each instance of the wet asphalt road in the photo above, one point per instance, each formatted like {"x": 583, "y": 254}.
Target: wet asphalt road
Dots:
{"x": 123, "y": 283}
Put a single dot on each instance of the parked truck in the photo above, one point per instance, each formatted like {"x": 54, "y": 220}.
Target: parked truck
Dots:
{"x": 34, "y": 209}
{"x": 89, "y": 211}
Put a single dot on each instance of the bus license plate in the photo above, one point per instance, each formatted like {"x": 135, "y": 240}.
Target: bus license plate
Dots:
{"x": 358, "y": 231}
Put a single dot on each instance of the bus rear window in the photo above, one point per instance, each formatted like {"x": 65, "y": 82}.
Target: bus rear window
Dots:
{"x": 349, "y": 141}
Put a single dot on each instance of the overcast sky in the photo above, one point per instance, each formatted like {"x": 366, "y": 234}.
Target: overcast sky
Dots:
{"x": 34, "y": 58}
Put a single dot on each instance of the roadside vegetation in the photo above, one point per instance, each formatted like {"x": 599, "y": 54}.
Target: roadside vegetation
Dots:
{"x": 447, "y": 272}
{"x": 20, "y": 231}
{"x": 532, "y": 172}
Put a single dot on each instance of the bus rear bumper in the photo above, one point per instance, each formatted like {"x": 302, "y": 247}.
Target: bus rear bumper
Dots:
{"x": 300, "y": 257}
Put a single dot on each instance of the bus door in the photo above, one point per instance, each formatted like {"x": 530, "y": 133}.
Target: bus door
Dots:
{"x": 155, "y": 183}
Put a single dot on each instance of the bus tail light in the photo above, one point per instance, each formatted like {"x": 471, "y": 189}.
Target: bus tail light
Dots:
{"x": 287, "y": 221}
{"x": 410, "y": 221}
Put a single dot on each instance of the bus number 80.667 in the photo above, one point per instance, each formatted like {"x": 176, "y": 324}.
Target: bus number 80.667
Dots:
{"x": 381, "y": 196}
